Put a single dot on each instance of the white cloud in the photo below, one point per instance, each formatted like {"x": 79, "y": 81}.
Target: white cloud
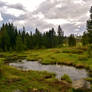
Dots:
{"x": 1, "y": 17}
{"x": 39, "y": 15}
{"x": 58, "y": 5}
{"x": 57, "y": 21}
{"x": 30, "y": 5}
{"x": 79, "y": 2}
{"x": 44, "y": 14}
{"x": 14, "y": 12}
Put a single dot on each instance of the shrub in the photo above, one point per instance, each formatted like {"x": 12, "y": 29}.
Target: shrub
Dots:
{"x": 66, "y": 78}
{"x": 83, "y": 58}
{"x": 90, "y": 50}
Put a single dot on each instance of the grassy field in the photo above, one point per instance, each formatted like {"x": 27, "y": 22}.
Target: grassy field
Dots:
{"x": 76, "y": 56}
{"x": 14, "y": 80}
{"x": 33, "y": 81}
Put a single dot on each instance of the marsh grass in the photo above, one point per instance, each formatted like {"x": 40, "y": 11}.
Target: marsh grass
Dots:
{"x": 75, "y": 56}
{"x": 66, "y": 78}
{"x": 30, "y": 81}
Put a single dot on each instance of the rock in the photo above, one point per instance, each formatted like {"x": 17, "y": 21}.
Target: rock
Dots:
{"x": 78, "y": 84}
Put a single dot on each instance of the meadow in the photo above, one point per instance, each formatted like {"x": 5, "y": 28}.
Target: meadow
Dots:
{"x": 12, "y": 79}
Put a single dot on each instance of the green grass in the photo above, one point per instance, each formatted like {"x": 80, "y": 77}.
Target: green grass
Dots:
{"x": 74, "y": 56}
{"x": 66, "y": 78}
{"x": 70, "y": 56}
{"x": 12, "y": 79}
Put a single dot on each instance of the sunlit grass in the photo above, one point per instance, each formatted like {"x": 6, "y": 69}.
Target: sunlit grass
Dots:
{"x": 66, "y": 55}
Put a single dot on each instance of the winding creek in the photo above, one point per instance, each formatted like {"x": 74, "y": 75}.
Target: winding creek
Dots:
{"x": 77, "y": 75}
{"x": 59, "y": 70}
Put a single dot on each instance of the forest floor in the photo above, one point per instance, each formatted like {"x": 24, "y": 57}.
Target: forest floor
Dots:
{"x": 14, "y": 80}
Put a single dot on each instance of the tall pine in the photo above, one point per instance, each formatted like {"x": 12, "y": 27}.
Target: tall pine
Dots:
{"x": 60, "y": 36}
{"x": 89, "y": 27}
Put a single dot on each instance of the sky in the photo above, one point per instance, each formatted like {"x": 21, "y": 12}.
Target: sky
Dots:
{"x": 71, "y": 15}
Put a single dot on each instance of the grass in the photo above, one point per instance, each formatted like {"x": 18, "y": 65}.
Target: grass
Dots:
{"x": 33, "y": 81}
{"x": 66, "y": 78}
{"x": 75, "y": 56}
{"x": 30, "y": 81}
{"x": 70, "y": 56}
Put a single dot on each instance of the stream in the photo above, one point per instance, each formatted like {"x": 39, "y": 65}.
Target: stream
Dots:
{"x": 59, "y": 70}
{"x": 77, "y": 75}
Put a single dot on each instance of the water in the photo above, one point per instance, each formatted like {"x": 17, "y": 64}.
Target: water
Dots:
{"x": 59, "y": 70}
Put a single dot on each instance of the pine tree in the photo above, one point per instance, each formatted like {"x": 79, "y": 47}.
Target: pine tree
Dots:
{"x": 23, "y": 35}
{"x": 72, "y": 40}
{"x": 4, "y": 39}
{"x": 51, "y": 38}
{"x": 85, "y": 38}
{"x": 37, "y": 37}
{"x": 27, "y": 41}
{"x": 60, "y": 36}
{"x": 89, "y": 27}
{"x": 19, "y": 44}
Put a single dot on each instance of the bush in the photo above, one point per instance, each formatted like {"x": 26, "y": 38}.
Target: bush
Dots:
{"x": 66, "y": 78}
{"x": 90, "y": 50}
{"x": 83, "y": 58}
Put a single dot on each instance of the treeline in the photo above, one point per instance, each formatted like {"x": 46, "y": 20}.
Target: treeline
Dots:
{"x": 13, "y": 39}
{"x": 87, "y": 36}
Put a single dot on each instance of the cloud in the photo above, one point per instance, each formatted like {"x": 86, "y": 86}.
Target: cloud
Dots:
{"x": 44, "y": 14}
{"x": 2, "y": 4}
{"x": 17, "y": 6}
{"x": 66, "y": 13}
{"x": 1, "y": 18}
{"x": 14, "y": 12}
